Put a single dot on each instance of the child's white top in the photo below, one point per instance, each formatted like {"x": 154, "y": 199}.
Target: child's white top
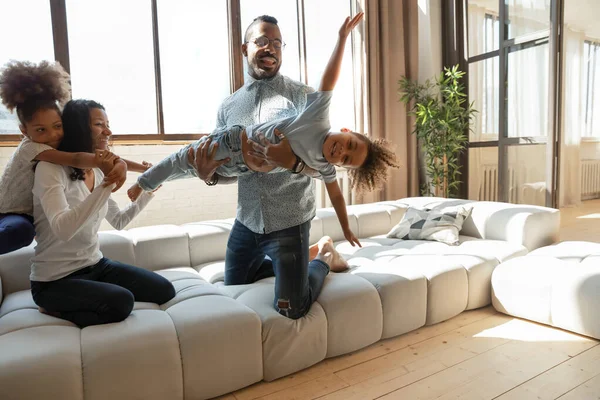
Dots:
{"x": 17, "y": 179}
{"x": 306, "y": 133}
{"x": 67, "y": 218}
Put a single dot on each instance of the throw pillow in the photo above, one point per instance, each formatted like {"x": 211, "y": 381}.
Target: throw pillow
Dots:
{"x": 441, "y": 225}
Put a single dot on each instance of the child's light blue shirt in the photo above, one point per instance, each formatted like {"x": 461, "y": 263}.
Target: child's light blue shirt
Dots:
{"x": 306, "y": 133}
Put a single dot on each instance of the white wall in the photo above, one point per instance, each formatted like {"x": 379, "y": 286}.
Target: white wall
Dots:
{"x": 177, "y": 202}
{"x": 590, "y": 150}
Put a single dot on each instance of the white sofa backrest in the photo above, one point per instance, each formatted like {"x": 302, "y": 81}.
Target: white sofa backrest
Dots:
{"x": 527, "y": 225}
{"x": 365, "y": 220}
{"x": 195, "y": 244}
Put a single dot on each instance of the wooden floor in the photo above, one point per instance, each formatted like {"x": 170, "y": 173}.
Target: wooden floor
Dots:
{"x": 479, "y": 354}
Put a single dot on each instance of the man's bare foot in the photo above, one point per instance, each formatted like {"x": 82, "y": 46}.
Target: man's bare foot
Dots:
{"x": 335, "y": 261}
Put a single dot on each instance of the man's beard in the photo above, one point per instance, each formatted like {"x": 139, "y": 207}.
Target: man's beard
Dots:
{"x": 258, "y": 73}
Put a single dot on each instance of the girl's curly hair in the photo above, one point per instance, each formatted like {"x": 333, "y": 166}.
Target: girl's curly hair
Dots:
{"x": 30, "y": 87}
{"x": 374, "y": 171}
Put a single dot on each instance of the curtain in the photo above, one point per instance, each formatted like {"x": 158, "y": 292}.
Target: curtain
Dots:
{"x": 388, "y": 50}
{"x": 573, "y": 104}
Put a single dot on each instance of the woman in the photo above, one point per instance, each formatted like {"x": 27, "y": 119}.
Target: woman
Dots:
{"x": 70, "y": 278}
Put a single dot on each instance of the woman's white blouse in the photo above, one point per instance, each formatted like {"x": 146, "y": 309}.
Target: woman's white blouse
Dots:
{"x": 67, "y": 217}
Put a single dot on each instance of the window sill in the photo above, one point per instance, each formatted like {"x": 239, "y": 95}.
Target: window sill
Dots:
{"x": 126, "y": 140}
{"x": 589, "y": 139}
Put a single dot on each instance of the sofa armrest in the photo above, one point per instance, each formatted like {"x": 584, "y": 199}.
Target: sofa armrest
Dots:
{"x": 530, "y": 226}
{"x": 1, "y": 298}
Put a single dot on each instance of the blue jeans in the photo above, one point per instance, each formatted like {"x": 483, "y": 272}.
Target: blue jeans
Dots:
{"x": 16, "y": 231}
{"x": 176, "y": 165}
{"x": 298, "y": 282}
{"x": 102, "y": 293}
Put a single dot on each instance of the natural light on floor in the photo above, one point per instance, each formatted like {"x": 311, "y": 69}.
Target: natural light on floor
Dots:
{"x": 589, "y": 216}
{"x": 525, "y": 331}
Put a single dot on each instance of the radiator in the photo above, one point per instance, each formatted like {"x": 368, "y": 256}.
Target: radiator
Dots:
{"x": 488, "y": 186}
{"x": 322, "y": 198}
{"x": 590, "y": 179}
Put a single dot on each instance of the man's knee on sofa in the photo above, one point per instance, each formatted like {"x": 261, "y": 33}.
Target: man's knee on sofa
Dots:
{"x": 292, "y": 310}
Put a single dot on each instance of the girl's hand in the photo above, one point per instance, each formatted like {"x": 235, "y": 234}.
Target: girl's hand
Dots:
{"x": 106, "y": 161}
{"x": 350, "y": 24}
{"x": 351, "y": 238}
{"x": 117, "y": 175}
{"x": 147, "y": 165}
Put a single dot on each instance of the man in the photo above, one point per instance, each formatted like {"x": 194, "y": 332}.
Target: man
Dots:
{"x": 274, "y": 210}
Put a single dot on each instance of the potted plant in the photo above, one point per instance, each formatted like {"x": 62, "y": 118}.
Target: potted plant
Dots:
{"x": 443, "y": 120}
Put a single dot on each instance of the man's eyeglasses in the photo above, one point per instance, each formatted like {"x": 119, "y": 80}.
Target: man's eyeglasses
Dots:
{"x": 264, "y": 41}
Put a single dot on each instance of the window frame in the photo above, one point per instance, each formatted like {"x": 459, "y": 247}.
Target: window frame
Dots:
{"x": 591, "y": 69}
{"x": 58, "y": 13}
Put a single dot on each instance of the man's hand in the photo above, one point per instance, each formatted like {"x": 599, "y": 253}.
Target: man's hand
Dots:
{"x": 350, "y": 24}
{"x": 105, "y": 160}
{"x": 203, "y": 159}
{"x": 117, "y": 175}
{"x": 278, "y": 155}
{"x": 351, "y": 238}
{"x": 134, "y": 192}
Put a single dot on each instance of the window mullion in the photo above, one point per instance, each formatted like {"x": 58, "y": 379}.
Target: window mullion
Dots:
{"x": 302, "y": 42}
{"x": 236, "y": 68}
{"x": 58, "y": 12}
{"x": 594, "y": 56}
{"x": 157, "y": 75}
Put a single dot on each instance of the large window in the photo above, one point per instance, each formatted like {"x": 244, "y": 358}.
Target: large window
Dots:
{"x": 194, "y": 63}
{"x": 112, "y": 60}
{"x": 323, "y": 21}
{"x": 591, "y": 76}
{"x": 162, "y": 67}
{"x": 489, "y": 106}
{"x": 30, "y": 40}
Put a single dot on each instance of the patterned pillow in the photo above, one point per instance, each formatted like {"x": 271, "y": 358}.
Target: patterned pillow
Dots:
{"x": 441, "y": 225}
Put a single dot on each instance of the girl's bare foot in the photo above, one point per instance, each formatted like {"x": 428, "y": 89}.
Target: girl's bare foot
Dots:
{"x": 335, "y": 261}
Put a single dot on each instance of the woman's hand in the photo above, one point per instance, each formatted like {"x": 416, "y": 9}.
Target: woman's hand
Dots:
{"x": 350, "y": 24}
{"x": 351, "y": 238}
{"x": 273, "y": 154}
{"x": 117, "y": 175}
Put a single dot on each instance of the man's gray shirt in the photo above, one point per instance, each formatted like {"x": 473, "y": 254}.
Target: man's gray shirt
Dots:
{"x": 269, "y": 202}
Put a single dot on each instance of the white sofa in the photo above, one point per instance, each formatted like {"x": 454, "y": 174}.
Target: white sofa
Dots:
{"x": 212, "y": 339}
{"x": 556, "y": 285}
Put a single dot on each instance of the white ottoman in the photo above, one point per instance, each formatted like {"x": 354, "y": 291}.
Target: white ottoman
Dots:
{"x": 557, "y": 285}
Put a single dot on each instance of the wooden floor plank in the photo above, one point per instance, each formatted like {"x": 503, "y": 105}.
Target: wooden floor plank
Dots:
{"x": 309, "y": 390}
{"x": 496, "y": 371}
{"x": 398, "y": 358}
{"x": 589, "y": 390}
{"x": 427, "y": 363}
{"x": 560, "y": 379}
{"x": 225, "y": 397}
